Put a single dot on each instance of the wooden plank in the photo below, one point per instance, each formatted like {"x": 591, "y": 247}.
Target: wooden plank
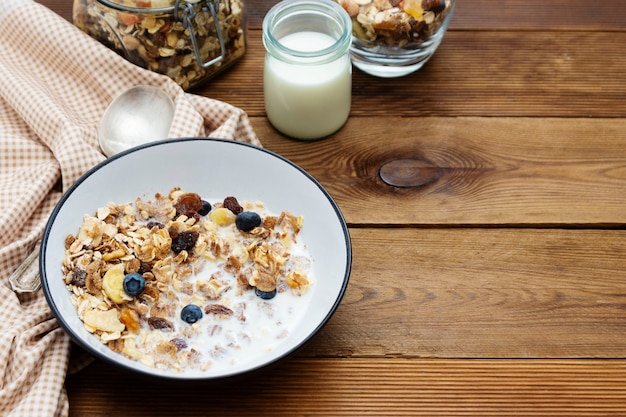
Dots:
{"x": 577, "y": 15}
{"x": 574, "y": 74}
{"x": 481, "y": 293}
{"x": 492, "y": 171}
{"x": 534, "y": 73}
{"x": 358, "y": 387}
{"x": 608, "y": 15}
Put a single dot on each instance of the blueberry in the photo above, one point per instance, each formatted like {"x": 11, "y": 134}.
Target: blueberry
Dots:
{"x": 247, "y": 220}
{"x": 134, "y": 284}
{"x": 206, "y": 208}
{"x": 191, "y": 313}
{"x": 266, "y": 295}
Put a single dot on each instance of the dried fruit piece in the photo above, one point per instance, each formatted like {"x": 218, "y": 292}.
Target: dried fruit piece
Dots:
{"x": 78, "y": 277}
{"x": 161, "y": 42}
{"x": 149, "y": 233}
{"x": 113, "y": 284}
{"x": 130, "y": 318}
{"x": 159, "y": 323}
{"x": 434, "y": 5}
{"x": 396, "y": 23}
{"x": 218, "y": 309}
{"x": 188, "y": 204}
{"x": 413, "y": 8}
{"x": 233, "y": 205}
{"x": 185, "y": 240}
{"x": 153, "y": 223}
{"x": 179, "y": 342}
{"x": 222, "y": 216}
{"x": 104, "y": 320}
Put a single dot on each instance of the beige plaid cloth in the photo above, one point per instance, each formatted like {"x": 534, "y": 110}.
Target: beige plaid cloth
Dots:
{"x": 55, "y": 83}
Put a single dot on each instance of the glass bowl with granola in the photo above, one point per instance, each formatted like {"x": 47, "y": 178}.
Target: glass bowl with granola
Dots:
{"x": 190, "y": 41}
{"x": 393, "y": 38}
{"x": 228, "y": 259}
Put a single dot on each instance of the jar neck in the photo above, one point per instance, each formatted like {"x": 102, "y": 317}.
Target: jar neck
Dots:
{"x": 185, "y": 11}
{"x": 176, "y": 7}
{"x": 296, "y": 16}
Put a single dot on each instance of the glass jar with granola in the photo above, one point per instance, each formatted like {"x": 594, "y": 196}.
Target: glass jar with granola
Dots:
{"x": 188, "y": 40}
{"x": 393, "y": 38}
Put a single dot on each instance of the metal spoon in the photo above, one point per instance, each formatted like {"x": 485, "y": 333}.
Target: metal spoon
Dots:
{"x": 139, "y": 115}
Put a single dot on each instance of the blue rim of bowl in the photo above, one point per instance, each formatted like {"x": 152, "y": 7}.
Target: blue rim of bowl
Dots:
{"x": 172, "y": 376}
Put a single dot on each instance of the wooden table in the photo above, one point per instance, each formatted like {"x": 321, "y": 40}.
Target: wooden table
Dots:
{"x": 498, "y": 287}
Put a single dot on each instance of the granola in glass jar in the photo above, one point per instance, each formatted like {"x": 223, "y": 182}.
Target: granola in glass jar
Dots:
{"x": 189, "y": 41}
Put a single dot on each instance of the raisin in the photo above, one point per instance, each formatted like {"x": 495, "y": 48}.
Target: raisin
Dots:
{"x": 144, "y": 267}
{"x": 179, "y": 342}
{"x": 185, "y": 240}
{"x": 159, "y": 323}
{"x": 232, "y": 204}
{"x": 218, "y": 309}
{"x": 433, "y": 5}
{"x": 188, "y": 204}
{"x": 78, "y": 277}
{"x": 154, "y": 223}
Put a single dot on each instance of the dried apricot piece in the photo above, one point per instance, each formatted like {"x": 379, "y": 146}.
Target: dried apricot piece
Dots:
{"x": 130, "y": 318}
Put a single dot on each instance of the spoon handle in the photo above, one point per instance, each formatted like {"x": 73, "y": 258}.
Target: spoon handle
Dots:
{"x": 26, "y": 278}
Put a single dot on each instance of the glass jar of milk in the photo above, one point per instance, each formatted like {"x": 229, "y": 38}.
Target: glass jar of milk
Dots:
{"x": 308, "y": 72}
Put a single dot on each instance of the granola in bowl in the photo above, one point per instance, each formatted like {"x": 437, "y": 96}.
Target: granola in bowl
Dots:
{"x": 395, "y": 37}
{"x": 213, "y": 168}
{"x": 178, "y": 283}
{"x": 396, "y": 22}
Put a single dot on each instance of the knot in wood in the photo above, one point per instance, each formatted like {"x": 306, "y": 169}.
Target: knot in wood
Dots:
{"x": 409, "y": 173}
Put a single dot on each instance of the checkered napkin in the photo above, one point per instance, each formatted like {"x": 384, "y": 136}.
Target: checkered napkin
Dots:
{"x": 55, "y": 83}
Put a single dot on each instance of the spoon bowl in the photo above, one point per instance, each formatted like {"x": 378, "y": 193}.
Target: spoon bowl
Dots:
{"x": 139, "y": 115}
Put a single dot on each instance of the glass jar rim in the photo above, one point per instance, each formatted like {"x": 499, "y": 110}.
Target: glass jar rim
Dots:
{"x": 162, "y": 6}
{"x": 321, "y": 8}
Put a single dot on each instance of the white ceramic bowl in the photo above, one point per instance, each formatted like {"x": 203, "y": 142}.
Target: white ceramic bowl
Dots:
{"x": 209, "y": 167}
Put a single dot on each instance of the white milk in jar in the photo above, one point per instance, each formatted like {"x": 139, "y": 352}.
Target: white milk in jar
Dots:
{"x": 308, "y": 72}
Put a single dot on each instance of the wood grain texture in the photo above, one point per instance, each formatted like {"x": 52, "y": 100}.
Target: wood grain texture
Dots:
{"x": 534, "y": 73}
{"x": 304, "y": 387}
{"x": 507, "y": 171}
{"x": 574, "y": 74}
{"x": 496, "y": 288}
{"x": 531, "y": 73}
{"x": 607, "y": 15}
{"x": 481, "y": 293}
